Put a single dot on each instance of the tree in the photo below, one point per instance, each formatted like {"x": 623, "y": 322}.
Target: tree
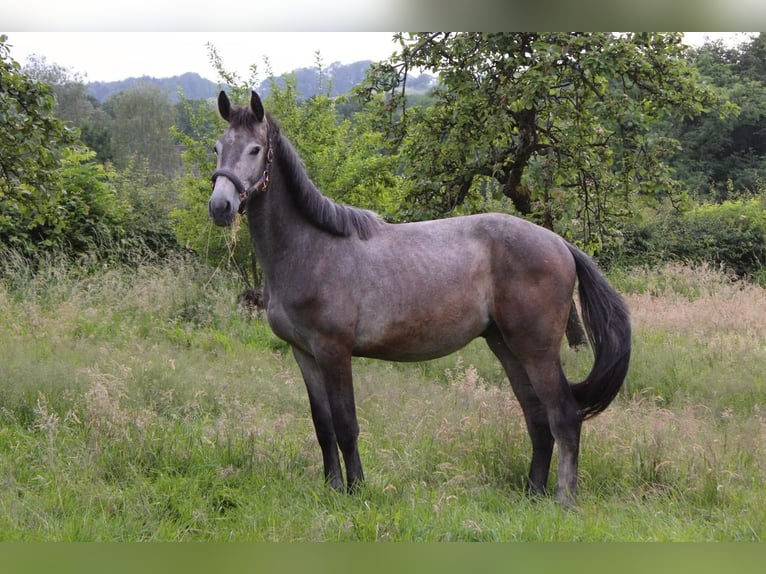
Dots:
{"x": 31, "y": 147}
{"x": 32, "y": 137}
{"x": 142, "y": 120}
{"x": 559, "y": 123}
{"x": 73, "y": 105}
{"x": 722, "y": 151}
{"x": 54, "y": 196}
{"x": 343, "y": 156}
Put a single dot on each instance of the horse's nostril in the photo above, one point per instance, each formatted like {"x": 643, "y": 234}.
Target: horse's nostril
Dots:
{"x": 219, "y": 206}
{"x": 220, "y": 211}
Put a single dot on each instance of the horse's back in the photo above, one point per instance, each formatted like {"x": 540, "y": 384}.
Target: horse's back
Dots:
{"x": 511, "y": 249}
{"x": 427, "y": 289}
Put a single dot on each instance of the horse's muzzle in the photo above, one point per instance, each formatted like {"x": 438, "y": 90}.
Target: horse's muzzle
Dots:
{"x": 221, "y": 211}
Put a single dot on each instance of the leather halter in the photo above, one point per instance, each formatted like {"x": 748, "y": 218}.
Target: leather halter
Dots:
{"x": 259, "y": 186}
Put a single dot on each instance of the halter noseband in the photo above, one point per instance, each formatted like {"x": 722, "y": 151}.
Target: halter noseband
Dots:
{"x": 259, "y": 186}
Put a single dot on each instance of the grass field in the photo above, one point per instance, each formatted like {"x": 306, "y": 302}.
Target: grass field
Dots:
{"x": 141, "y": 404}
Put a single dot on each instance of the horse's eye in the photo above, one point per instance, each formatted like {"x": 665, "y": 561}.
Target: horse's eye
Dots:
{"x": 256, "y": 150}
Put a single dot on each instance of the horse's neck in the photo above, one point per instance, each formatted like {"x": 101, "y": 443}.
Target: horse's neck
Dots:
{"x": 278, "y": 230}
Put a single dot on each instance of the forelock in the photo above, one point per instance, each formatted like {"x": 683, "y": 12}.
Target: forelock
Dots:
{"x": 242, "y": 117}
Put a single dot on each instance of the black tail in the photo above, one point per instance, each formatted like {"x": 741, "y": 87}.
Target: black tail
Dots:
{"x": 607, "y": 322}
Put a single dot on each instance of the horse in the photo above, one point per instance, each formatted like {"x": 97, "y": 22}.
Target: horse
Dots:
{"x": 340, "y": 282}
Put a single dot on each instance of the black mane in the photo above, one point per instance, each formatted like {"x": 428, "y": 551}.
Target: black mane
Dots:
{"x": 332, "y": 217}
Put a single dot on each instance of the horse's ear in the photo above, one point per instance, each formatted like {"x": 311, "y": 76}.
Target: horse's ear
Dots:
{"x": 224, "y": 106}
{"x": 257, "y": 106}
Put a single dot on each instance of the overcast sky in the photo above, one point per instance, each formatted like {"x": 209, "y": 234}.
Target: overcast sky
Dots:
{"x": 109, "y": 56}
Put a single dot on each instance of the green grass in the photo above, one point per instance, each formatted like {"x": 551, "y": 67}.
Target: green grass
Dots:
{"x": 143, "y": 405}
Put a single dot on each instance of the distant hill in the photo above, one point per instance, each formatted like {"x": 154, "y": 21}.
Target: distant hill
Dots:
{"x": 342, "y": 77}
{"x": 194, "y": 86}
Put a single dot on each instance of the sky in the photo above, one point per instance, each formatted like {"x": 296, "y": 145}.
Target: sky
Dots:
{"x": 111, "y": 56}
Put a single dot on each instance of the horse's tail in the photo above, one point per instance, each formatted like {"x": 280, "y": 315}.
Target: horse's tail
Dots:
{"x": 607, "y": 322}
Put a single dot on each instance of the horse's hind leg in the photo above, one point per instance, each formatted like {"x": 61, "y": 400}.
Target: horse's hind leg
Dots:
{"x": 564, "y": 419}
{"x": 534, "y": 414}
{"x": 551, "y": 414}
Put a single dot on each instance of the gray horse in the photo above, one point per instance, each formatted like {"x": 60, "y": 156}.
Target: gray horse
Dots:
{"x": 341, "y": 282}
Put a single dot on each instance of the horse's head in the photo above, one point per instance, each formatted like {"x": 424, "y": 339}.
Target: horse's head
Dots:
{"x": 243, "y": 159}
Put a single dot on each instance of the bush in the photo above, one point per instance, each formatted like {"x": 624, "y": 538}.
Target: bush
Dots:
{"x": 731, "y": 234}
{"x": 57, "y": 199}
{"x": 76, "y": 212}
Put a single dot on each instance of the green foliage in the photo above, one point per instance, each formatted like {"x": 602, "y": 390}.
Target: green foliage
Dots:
{"x": 150, "y": 198}
{"x": 57, "y": 198}
{"x": 731, "y": 234}
{"x": 76, "y": 212}
{"x": 31, "y": 139}
{"x": 74, "y": 106}
{"x": 312, "y": 127}
{"x": 367, "y": 176}
{"x": 578, "y": 109}
{"x": 93, "y": 212}
{"x": 142, "y": 122}
{"x": 343, "y": 157}
{"x": 722, "y": 151}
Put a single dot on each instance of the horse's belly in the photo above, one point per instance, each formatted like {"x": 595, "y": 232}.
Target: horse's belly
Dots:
{"x": 419, "y": 338}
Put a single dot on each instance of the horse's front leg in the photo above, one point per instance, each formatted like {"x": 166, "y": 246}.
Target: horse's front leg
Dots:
{"x": 330, "y": 385}
{"x": 335, "y": 366}
{"x": 321, "y": 414}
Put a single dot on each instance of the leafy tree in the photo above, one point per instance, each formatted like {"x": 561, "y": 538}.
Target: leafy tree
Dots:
{"x": 367, "y": 176}
{"x": 74, "y": 105}
{"x": 31, "y": 139}
{"x": 751, "y": 58}
{"x": 31, "y": 147}
{"x": 559, "y": 123}
{"x": 142, "y": 120}
{"x": 77, "y": 213}
{"x": 194, "y": 117}
{"x": 55, "y": 196}
{"x": 149, "y": 198}
{"x": 731, "y": 234}
{"x": 722, "y": 151}
{"x": 343, "y": 156}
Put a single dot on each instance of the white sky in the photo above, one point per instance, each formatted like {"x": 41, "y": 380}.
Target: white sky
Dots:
{"x": 109, "y": 56}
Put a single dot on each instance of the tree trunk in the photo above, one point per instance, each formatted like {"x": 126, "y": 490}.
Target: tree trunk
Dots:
{"x": 525, "y": 149}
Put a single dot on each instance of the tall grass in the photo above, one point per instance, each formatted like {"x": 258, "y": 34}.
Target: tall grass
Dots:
{"x": 701, "y": 337}
{"x": 142, "y": 404}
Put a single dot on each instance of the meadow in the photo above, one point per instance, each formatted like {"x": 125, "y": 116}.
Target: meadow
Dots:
{"x": 144, "y": 404}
